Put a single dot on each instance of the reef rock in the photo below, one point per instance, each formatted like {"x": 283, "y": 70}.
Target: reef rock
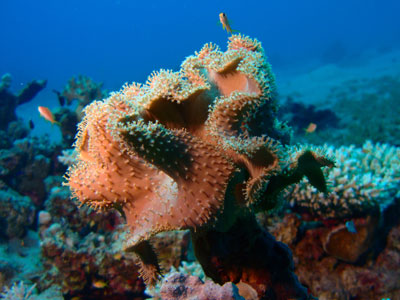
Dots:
{"x": 181, "y": 287}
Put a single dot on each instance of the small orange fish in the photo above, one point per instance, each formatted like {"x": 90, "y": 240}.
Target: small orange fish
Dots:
{"x": 46, "y": 113}
{"x": 311, "y": 128}
{"x": 117, "y": 256}
{"x": 99, "y": 284}
{"x": 225, "y": 23}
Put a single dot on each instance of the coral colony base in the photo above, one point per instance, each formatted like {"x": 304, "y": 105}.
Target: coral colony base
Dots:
{"x": 198, "y": 149}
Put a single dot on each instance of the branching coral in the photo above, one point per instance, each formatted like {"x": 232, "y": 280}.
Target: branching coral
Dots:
{"x": 362, "y": 179}
{"x": 68, "y": 157}
{"x": 18, "y": 292}
{"x": 197, "y": 149}
{"x": 83, "y": 89}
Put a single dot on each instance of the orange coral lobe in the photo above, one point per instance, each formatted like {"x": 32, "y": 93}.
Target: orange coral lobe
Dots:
{"x": 166, "y": 151}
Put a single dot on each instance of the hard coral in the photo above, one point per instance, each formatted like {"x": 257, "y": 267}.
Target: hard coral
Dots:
{"x": 83, "y": 89}
{"x": 80, "y": 247}
{"x": 197, "y": 149}
{"x": 10, "y": 101}
{"x": 18, "y": 292}
{"x": 362, "y": 180}
{"x": 17, "y": 212}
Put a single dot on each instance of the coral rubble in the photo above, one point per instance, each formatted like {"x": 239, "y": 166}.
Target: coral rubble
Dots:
{"x": 198, "y": 149}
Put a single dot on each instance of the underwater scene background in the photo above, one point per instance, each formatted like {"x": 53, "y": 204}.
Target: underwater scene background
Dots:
{"x": 199, "y": 150}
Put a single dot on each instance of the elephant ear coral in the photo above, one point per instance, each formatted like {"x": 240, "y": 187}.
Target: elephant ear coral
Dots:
{"x": 197, "y": 149}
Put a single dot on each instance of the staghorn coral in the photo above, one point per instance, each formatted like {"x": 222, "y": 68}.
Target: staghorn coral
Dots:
{"x": 197, "y": 149}
{"x": 362, "y": 179}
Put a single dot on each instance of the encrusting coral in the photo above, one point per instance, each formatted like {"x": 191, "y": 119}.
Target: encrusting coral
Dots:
{"x": 198, "y": 149}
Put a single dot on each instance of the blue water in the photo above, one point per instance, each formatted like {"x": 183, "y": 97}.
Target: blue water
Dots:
{"x": 120, "y": 41}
